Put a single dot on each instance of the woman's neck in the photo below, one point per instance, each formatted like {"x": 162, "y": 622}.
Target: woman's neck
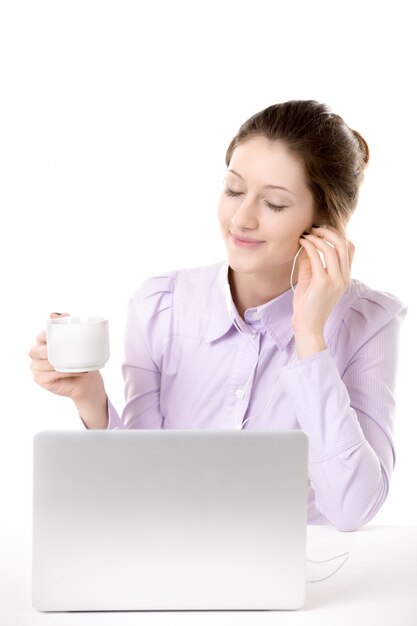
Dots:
{"x": 252, "y": 290}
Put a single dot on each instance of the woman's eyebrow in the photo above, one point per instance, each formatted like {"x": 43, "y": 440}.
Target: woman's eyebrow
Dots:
{"x": 265, "y": 186}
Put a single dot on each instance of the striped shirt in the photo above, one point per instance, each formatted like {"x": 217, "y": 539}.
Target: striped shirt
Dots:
{"x": 186, "y": 366}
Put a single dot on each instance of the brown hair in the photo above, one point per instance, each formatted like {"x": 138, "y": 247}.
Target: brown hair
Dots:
{"x": 333, "y": 155}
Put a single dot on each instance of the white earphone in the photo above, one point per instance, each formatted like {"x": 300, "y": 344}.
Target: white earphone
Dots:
{"x": 293, "y": 268}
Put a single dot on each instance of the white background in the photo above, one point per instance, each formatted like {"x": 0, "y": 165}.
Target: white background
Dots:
{"x": 115, "y": 119}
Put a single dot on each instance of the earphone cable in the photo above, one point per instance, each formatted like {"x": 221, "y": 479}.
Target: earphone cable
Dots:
{"x": 319, "y": 580}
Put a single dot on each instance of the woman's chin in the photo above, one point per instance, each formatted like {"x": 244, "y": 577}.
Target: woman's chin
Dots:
{"x": 244, "y": 266}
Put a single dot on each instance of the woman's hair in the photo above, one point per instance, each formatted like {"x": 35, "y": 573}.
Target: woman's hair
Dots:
{"x": 333, "y": 155}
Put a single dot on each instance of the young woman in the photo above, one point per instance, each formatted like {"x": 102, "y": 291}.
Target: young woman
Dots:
{"x": 272, "y": 338}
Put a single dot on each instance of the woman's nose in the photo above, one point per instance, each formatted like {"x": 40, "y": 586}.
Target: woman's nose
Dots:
{"x": 245, "y": 215}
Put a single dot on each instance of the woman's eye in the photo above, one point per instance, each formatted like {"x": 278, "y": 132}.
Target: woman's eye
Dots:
{"x": 276, "y": 207}
{"x": 231, "y": 193}
{"x": 273, "y": 207}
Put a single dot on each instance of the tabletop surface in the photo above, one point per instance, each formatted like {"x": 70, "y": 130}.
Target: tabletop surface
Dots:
{"x": 377, "y": 585}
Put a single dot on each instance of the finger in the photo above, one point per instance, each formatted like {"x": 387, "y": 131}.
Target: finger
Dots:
{"x": 331, "y": 234}
{"x": 38, "y": 351}
{"x": 46, "y": 377}
{"x": 41, "y": 365}
{"x": 330, "y": 254}
{"x": 344, "y": 248}
{"x": 327, "y": 232}
{"x": 314, "y": 257}
{"x": 304, "y": 267}
{"x": 41, "y": 338}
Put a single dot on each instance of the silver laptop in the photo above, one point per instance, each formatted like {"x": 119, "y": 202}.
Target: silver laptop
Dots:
{"x": 169, "y": 520}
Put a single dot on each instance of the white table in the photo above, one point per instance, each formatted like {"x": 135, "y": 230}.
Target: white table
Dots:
{"x": 376, "y": 587}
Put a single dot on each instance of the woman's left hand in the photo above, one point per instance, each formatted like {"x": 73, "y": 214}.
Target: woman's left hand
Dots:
{"x": 318, "y": 289}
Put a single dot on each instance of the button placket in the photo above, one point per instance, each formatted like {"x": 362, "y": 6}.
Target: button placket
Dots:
{"x": 241, "y": 378}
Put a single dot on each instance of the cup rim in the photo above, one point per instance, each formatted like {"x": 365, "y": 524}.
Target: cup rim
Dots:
{"x": 91, "y": 320}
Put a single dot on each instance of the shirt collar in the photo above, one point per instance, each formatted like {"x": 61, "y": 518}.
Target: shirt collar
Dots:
{"x": 274, "y": 316}
{"x": 219, "y": 320}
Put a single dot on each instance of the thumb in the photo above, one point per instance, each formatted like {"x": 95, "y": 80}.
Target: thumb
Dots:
{"x": 304, "y": 267}
{"x": 54, "y": 315}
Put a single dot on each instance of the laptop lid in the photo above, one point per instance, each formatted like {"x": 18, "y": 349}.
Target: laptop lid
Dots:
{"x": 169, "y": 520}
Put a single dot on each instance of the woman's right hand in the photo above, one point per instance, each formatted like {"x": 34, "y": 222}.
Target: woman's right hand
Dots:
{"x": 78, "y": 387}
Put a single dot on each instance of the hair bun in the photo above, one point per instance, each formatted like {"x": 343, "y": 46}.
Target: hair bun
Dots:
{"x": 363, "y": 146}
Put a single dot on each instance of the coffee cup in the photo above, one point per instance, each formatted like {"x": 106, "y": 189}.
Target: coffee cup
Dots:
{"x": 78, "y": 343}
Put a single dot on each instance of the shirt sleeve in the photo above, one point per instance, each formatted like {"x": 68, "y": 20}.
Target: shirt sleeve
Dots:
{"x": 349, "y": 418}
{"x": 147, "y": 331}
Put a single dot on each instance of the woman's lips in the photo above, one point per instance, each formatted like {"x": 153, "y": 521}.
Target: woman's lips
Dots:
{"x": 245, "y": 242}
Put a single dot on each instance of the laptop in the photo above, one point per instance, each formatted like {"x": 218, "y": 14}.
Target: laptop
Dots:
{"x": 169, "y": 520}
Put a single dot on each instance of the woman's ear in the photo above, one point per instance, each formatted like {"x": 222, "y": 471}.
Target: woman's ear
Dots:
{"x": 307, "y": 231}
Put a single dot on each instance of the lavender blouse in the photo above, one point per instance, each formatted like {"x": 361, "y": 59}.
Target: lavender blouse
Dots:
{"x": 186, "y": 366}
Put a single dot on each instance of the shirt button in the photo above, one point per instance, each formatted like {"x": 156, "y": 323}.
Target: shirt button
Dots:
{"x": 240, "y": 393}
{"x": 256, "y": 315}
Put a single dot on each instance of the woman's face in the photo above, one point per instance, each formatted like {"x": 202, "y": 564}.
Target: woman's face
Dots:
{"x": 270, "y": 208}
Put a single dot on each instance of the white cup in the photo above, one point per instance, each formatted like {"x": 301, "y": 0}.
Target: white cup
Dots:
{"x": 78, "y": 343}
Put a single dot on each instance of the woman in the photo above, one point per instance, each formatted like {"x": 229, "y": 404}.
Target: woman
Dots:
{"x": 236, "y": 345}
